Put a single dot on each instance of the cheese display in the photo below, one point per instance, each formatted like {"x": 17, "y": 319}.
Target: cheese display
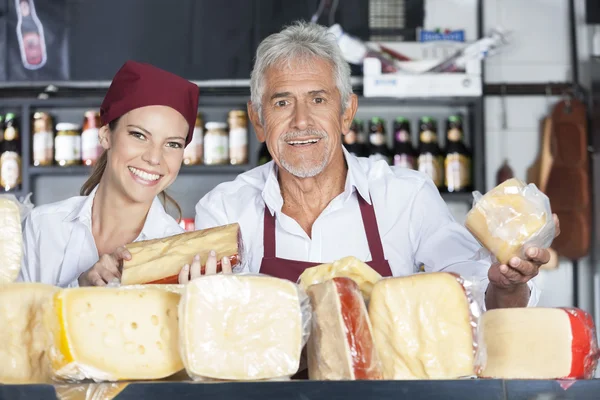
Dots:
{"x": 11, "y": 240}
{"x": 161, "y": 260}
{"x": 511, "y": 218}
{"x": 242, "y": 327}
{"x": 349, "y": 267}
{"x": 538, "y": 343}
{"x": 23, "y": 341}
{"x": 112, "y": 334}
{"x": 340, "y": 346}
{"x": 423, "y": 326}
{"x": 89, "y": 391}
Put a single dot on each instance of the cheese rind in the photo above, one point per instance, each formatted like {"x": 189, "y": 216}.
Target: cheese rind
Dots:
{"x": 340, "y": 346}
{"x": 23, "y": 341}
{"x": 112, "y": 334}
{"x": 423, "y": 327}
{"x": 538, "y": 343}
{"x": 160, "y": 260}
{"x": 511, "y": 217}
{"x": 11, "y": 241}
{"x": 242, "y": 327}
{"x": 349, "y": 267}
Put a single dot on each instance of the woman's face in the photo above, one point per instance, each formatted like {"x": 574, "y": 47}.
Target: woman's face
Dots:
{"x": 145, "y": 151}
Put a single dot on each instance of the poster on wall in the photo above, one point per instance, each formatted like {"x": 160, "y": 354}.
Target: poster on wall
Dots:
{"x": 36, "y": 43}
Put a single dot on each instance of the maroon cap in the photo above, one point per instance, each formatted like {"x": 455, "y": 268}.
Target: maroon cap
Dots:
{"x": 139, "y": 85}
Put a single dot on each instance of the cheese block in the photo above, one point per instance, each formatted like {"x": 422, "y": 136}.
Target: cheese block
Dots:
{"x": 23, "y": 341}
{"x": 508, "y": 217}
{"x": 538, "y": 343}
{"x": 161, "y": 260}
{"x": 112, "y": 334}
{"x": 241, "y": 327}
{"x": 349, "y": 267}
{"x": 422, "y": 326}
{"x": 89, "y": 391}
{"x": 340, "y": 346}
{"x": 11, "y": 240}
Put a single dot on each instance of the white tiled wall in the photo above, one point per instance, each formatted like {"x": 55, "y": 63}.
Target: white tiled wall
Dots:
{"x": 539, "y": 52}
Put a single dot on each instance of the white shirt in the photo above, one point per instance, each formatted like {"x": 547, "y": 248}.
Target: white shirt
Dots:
{"x": 415, "y": 224}
{"x": 59, "y": 245}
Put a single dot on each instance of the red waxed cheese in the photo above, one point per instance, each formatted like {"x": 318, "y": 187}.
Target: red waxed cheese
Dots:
{"x": 341, "y": 345}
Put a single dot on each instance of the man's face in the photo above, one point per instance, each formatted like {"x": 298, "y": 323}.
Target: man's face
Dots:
{"x": 302, "y": 116}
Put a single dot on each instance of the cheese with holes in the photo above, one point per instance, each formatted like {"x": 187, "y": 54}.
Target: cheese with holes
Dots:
{"x": 349, "y": 267}
{"x": 422, "y": 327}
{"x": 505, "y": 219}
{"x": 161, "y": 260}
{"x": 111, "y": 334}
{"x": 11, "y": 241}
{"x": 340, "y": 346}
{"x": 538, "y": 343}
{"x": 236, "y": 327}
{"x": 23, "y": 341}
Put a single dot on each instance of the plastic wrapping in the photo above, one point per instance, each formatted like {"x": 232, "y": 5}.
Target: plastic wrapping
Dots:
{"x": 113, "y": 334}
{"x": 159, "y": 261}
{"x": 537, "y": 343}
{"x": 243, "y": 327}
{"x": 12, "y": 213}
{"x": 348, "y": 267}
{"x": 23, "y": 341}
{"x": 425, "y": 326}
{"x": 341, "y": 345}
{"x": 511, "y": 218}
{"x": 89, "y": 391}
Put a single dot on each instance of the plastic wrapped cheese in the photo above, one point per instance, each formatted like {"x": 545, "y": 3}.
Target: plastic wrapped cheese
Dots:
{"x": 113, "y": 334}
{"x": 23, "y": 341}
{"x": 12, "y": 212}
{"x": 89, "y": 391}
{"x": 242, "y": 327}
{"x": 511, "y": 218}
{"x": 349, "y": 267}
{"x": 161, "y": 260}
{"x": 424, "y": 326}
{"x": 538, "y": 343}
{"x": 341, "y": 345}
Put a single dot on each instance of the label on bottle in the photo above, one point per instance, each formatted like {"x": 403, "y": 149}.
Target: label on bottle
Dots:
{"x": 350, "y": 137}
{"x": 404, "y": 161}
{"x": 431, "y": 165}
{"x": 43, "y": 147}
{"x": 10, "y": 170}
{"x": 454, "y": 135}
{"x": 238, "y": 146}
{"x": 90, "y": 145}
{"x": 458, "y": 172}
{"x": 427, "y": 137}
{"x": 377, "y": 139}
{"x": 194, "y": 151}
{"x": 402, "y": 136}
{"x": 216, "y": 149}
{"x": 67, "y": 148}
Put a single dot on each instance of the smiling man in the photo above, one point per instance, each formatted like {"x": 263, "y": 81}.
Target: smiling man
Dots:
{"x": 316, "y": 203}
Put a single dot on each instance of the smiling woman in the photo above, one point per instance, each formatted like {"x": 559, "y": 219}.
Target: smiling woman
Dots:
{"x": 148, "y": 116}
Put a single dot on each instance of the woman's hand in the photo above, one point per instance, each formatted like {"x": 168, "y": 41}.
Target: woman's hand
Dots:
{"x": 194, "y": 271}
{"x": 106, "y": 269}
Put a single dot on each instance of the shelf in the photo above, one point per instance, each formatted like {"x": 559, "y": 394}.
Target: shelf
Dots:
{"x": 193, "y": 169}
{"x": 466, "y": 197}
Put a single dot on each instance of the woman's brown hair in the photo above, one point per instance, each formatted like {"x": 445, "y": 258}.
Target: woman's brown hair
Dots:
{"x": 98, "y": 171}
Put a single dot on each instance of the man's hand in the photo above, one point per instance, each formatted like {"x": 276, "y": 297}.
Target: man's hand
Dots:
{"x": 107, "y": 268}
{"x": 194, "y": 271}
{"x": 508, "y": 283}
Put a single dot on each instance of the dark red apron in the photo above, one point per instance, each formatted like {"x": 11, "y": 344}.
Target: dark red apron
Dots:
{"x": 291, "y": 269}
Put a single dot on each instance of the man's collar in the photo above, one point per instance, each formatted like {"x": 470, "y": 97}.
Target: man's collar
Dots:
{"x": 356, "y": 179}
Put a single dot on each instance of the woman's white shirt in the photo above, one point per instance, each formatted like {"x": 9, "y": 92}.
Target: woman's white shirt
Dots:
{"x": 59, "y": 245}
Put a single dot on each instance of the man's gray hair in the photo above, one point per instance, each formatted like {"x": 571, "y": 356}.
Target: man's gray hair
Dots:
{"x": 300, "y": 41}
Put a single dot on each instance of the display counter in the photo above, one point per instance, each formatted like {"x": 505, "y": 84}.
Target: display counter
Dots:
{"x": 316, "y": 390}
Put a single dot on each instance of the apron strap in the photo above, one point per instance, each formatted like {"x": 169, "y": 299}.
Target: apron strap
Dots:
{"x": 269, "y": 234}
{"x": 370, "y": 223}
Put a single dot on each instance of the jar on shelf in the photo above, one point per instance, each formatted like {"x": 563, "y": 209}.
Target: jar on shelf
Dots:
{"x": 67, "y": 144}
{"x": 192, "y": 155}
{"x": 216, "y": 144}
{"x": 238, "y": 137}
{"x": 43, "y": 139}
{"x": 90, "y": 142}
